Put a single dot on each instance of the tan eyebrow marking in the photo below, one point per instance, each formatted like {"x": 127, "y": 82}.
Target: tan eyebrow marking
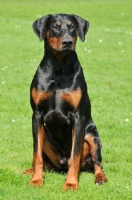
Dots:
{"x": 58, "y": 23}
{"x": 69, "y": 23}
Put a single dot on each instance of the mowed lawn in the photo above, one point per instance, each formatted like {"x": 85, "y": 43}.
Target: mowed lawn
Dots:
{"x": 106, "y": 57}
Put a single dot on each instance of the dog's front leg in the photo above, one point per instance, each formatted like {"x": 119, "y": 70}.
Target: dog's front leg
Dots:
{"x": 38, "y": 140}
{"x": 71, "y": 182}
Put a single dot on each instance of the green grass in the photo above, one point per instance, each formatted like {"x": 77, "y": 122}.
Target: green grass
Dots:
{"x": 106, "y": 60}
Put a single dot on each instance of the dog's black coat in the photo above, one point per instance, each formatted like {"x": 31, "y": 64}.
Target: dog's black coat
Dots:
{"x": 64, "y": 134}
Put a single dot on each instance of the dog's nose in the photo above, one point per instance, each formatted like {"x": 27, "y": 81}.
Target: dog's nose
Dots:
{"x": 67, "y": 41}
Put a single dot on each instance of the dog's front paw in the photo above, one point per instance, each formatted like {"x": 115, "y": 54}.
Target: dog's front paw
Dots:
{"x": 100, "y": 178}
{"x": 70, "y": 184}
{"x": 37, "y": 179}
{"x": 36, "y": 182}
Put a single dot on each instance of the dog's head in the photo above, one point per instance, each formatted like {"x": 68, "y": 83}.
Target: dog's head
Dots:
{"x": 61, "y": 31}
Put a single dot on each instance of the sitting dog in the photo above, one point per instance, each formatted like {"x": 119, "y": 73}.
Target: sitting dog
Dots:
{"x": 64, "y": 134}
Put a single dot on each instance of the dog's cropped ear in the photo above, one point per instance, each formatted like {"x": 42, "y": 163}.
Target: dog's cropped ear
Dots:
{"x": 83, "y": 27}
{"x": 39, "y": 26}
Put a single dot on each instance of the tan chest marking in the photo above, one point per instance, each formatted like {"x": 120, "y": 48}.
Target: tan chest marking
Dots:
{"x": 72, "y": 97}
{"x": 39, "y": 96}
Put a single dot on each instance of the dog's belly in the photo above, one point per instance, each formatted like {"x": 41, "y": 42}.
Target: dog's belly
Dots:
{"x": 59, "y": 132}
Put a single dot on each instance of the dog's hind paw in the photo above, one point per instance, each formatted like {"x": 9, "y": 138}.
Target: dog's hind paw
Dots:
{"x": 100, "y": 179}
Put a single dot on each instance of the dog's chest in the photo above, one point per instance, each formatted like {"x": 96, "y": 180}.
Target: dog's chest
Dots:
{"x": 57, "y": 99}
{"x": 57, "y": 108}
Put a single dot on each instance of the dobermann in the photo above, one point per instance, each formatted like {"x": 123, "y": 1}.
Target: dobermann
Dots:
{"x": 64, "y": 134}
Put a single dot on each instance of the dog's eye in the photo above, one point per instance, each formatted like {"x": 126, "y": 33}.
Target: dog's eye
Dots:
{"x": 72, "y": 27}
{"x": 56, "y": 27}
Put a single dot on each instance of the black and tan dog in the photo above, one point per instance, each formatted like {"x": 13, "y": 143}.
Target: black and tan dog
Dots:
{"x": 64, "y": 134}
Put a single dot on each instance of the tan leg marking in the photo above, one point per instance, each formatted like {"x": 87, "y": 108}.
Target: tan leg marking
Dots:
{"x": 71, "y": 182}
{"x": 37, "y": 177}
{"x": 98, "y": 172}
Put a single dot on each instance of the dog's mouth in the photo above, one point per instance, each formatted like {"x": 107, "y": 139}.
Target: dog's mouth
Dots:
{"x": 61, "y": 53}
{"x": 63, "y": 46}
{"x": 63, "y": 49}
{"x": 67, "y": 49}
